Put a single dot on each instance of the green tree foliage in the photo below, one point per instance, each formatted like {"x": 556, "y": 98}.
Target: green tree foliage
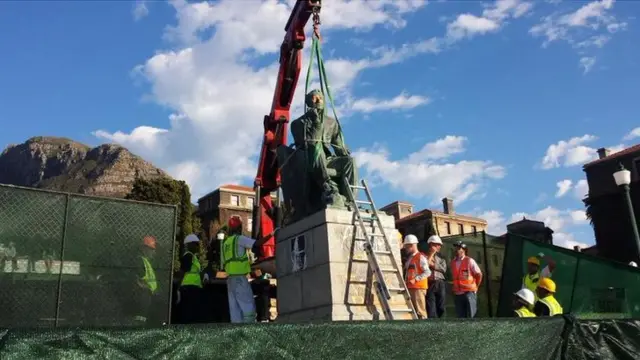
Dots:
{"x": 171, "y": 192}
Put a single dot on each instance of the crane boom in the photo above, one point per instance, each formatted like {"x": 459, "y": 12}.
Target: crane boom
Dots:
{"x": 265, "y": 212}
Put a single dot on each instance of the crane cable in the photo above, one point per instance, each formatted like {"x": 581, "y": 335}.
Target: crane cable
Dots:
{"x": 316, "y": 52}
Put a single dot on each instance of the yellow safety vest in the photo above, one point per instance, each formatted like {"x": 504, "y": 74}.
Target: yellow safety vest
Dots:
{"x": 552, "y": 304}
{"x": 233, "y": 263}
{"x": 192, "y": 278}
{"x": 149, "y": 276}
{"x": 524, "y": 312}
{"x": 531, "y": 282}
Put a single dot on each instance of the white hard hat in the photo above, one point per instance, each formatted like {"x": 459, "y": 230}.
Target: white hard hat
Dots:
{"x": 410, "y": 240}
{"x": 191, "y": 238}
{"x": 526, "y": 295}
{"x": 434, "y": 239}
{"x": 633, "y": 263}
{"x": 220, "y": 236}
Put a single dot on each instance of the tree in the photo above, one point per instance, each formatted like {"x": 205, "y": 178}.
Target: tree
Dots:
{"x": 170, "y": 192}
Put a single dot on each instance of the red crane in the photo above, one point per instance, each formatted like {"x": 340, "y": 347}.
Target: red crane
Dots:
{"x": 266, "y": 214}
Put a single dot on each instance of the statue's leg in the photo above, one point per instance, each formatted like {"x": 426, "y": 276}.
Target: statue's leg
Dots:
{"x": 318, "y": 162}
{"x": 346, "y": 169}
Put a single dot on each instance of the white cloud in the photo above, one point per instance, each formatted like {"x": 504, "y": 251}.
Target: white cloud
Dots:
{"x": 468, "y": 25}
{"x": 569, "y": 153}
{"x": 573, "y": 152}
{"x": 560, "y": 221}
{"x": 586, "y": 63}
{"x": 635, "y": 133}
{"x": 563, "y": 187}
{"x": 581, "y": 190}
{"x": 218, "y": 95}
{"x": 402, "y": 101}
{"x": 140, "y": 9}
{"x": 588, "y": 26}
{"x": 423, "y": 174}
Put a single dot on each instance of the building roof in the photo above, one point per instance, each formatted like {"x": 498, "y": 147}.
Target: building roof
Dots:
{"x": 439, "y": 213}
{"x": 233, "y": 187}
{"x": 525, "y": 220}
{"x": 397, "y": 202}
{"x": 627, "y": 151}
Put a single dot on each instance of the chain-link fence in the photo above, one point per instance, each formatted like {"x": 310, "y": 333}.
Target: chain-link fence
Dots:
{"x": 488, "y": 252}
{"x": 74, "y": 260}
{"x": 587, "y": 287}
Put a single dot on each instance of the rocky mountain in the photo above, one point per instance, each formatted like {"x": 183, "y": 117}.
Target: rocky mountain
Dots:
{"x": 65, "y": 165}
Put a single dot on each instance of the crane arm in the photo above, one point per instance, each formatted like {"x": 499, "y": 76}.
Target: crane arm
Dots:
{"x": 276, "y": 123}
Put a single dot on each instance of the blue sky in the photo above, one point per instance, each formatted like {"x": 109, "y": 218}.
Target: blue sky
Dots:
{"x": 496, "y": 104}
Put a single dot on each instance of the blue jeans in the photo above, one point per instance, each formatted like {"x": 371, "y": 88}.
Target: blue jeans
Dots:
{"x": 466, "y": 305}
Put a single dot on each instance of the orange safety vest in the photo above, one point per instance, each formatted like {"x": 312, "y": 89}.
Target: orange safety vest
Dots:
{"x": 463, "y": 280}
{"x": 414, "y": 270}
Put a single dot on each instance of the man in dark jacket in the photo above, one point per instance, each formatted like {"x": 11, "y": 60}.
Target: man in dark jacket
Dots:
{"x": 437, "y": 285}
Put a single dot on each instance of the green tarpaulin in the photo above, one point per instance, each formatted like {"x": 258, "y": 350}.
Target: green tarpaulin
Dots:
{"x": 491, "y": 339}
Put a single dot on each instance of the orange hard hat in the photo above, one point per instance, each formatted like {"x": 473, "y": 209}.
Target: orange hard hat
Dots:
{"x": 235, "y": 222}
{"x": 149, "y": 241}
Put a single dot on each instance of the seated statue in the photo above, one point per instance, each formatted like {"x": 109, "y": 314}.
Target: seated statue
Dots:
{"x": 312, "y": 176}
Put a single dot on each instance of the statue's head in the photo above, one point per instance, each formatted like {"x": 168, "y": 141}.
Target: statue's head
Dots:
{"x": 315, "y": 99}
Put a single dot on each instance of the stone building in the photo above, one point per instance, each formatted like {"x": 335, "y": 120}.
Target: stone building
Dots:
{"x": 215, "y": 208}
{"x": 426, "y": 222}
{"x": 532, "y": 229}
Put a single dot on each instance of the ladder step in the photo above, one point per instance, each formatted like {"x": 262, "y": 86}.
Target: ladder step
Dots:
{"x": 388, "y": 269}
{"x": 401, "y": 310}
{"x": 357, "y": 187}
{"x": 364, "y": 202}
{"x": 382, "y": 252}
{"x": 397, "y": 289}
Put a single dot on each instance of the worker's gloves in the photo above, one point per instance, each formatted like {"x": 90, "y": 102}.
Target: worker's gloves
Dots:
{"x": 206, "y": 278}
{"x": 178, "y": 297}
{"x": 541, "y": 255}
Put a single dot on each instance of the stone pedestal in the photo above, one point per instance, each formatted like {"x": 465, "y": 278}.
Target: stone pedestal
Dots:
{"x": 323, "y": 272}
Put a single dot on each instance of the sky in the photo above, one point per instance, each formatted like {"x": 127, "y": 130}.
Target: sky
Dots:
{"x": 494, "y": 104}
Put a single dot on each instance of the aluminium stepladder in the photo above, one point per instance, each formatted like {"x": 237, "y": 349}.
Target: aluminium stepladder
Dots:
{"x": 383, "y": 291}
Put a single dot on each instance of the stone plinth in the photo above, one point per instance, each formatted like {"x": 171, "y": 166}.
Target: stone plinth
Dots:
{"x": 323, "y": 272}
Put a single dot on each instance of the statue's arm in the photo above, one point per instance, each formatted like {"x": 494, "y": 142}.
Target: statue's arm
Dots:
{"x": 337, "y": 141}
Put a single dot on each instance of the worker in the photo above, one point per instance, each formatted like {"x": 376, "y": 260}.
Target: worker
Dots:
{"x": 533, "y": 275}
{"x": 236, "y": 264}
{"x": 523, "y": 303}
{"x": 437, "y": 287}
{"x": 467, "y": 278}
{"x": 547, "y": 305}
{"x": 317, "y": 132}
{"x": 191, "y": 283}
{"x": 147, "y": 285}
{"x": 417, "y": 275}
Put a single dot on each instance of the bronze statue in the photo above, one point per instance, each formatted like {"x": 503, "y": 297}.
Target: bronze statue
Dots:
{"x": 312, "y": 176}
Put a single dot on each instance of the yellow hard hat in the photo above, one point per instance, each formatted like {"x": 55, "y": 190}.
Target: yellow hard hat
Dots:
{"x": 547, "y": 284}
{"x": 533, "y": 260}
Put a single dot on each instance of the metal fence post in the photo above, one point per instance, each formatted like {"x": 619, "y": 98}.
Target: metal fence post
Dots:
{"x": 62, "y": 246}
{"x": 487, "y": 272}
{"x": 173, "y": 250}
{"x": 573, "y": 286}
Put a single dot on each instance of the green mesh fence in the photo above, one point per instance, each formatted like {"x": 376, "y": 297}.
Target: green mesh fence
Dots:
{"x": 488, "y": 252}
{"x": 587, "y": 287}
{"x": 70, "y": 260}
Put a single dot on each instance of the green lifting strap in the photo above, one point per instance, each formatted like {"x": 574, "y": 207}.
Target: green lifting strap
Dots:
{"x": 316, "y": 52}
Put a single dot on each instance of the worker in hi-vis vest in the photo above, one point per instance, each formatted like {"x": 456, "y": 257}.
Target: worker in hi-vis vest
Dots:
{"x": 523, "y": 303}
{"x": 547, "y": 305}
{"x": 189, "y": 293}
{"x": 533, "y": 275}
{"x": 148, "y": 283}
{"x": 235, "y": 260}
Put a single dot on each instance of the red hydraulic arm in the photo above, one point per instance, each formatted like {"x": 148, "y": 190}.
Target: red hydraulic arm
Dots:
{"x": 265, "y": 212}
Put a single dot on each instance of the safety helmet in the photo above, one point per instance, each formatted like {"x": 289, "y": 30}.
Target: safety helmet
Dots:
{"x": 434, "y": 239}
{"x": 235, "y": 222}
{"x": 547, "y": 284}
{"x": 633, "y": 263}
{"x": 410, "y": 240}
{"x": 149, "y": 241}
{"x": 460, "y": 244}
{"x": 526, "y": 295}
{"x": 533, "y": 260}
{"x": 191, "y": 238}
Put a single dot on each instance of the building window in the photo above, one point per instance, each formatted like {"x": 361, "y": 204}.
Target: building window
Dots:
{"x": 460, "y": 229}
{"x": 448, "y": 225}
{"x": 249, "y": 224}
{"x": 474, "y": 229}
{"x": 235, "y": 200}
{"x": 250, "y": 202}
